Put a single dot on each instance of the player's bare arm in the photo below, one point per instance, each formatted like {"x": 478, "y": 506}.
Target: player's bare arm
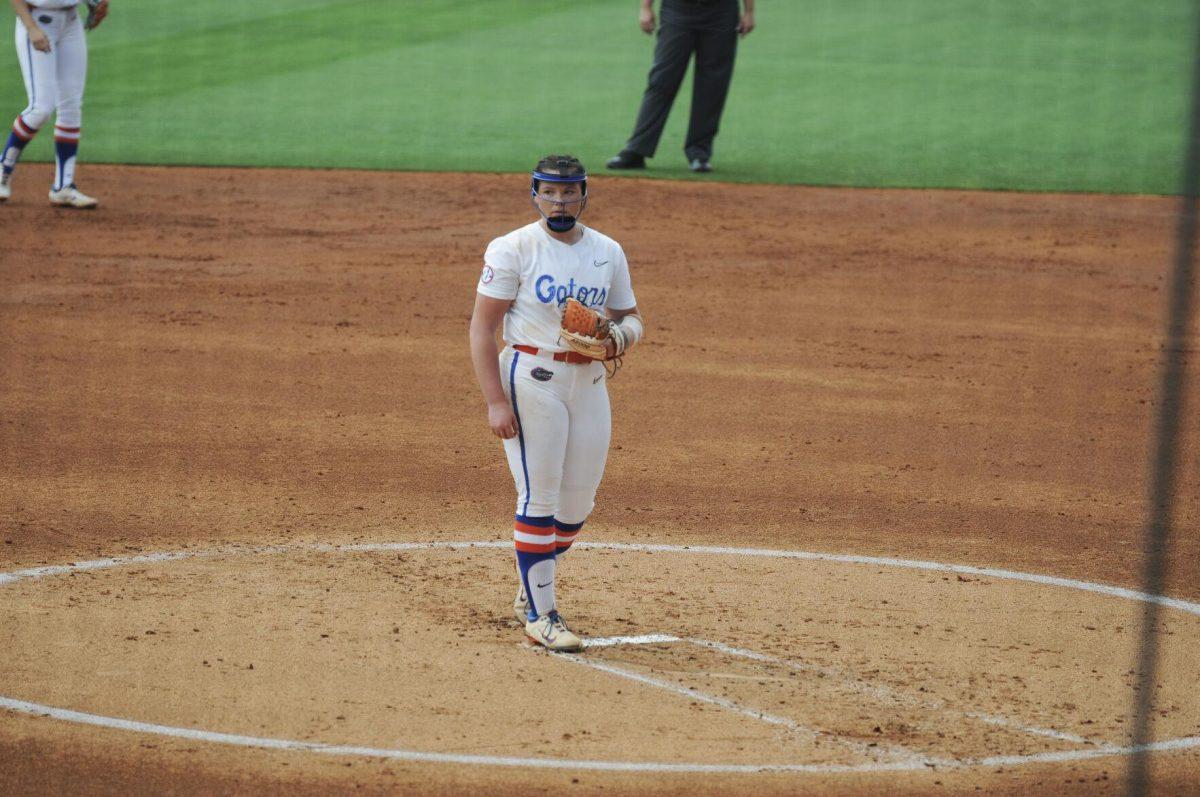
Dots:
{"x": 746, "y": 20}
{"x": 37, "y": 36}
{"x": 646, "y": 20}
{"x": 485, "y": 321}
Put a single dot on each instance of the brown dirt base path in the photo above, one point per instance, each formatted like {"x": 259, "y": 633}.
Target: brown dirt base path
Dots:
{"x": 220, "y": 360}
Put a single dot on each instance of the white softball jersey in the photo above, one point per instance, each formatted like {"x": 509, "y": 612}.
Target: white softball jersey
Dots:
{"x": 539, "y": 273}
{"x": 53, "y": 4}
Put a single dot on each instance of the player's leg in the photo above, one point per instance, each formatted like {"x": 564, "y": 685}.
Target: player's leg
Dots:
{"x": 38, "y": 71}
{"x": 535, "y": 457}
{"x": 589, "y": 429}
{"x": 72, "y": 61}
{"x": 589, "y": 432}
{"x": 716, "y": 49}
{"x": 672, "y": 52}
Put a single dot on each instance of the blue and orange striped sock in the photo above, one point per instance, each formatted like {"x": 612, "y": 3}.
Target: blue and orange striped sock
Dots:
{"x": 21, "y": 135}
{"x": 564, "y": 535}
{"x": 534, "y": 539}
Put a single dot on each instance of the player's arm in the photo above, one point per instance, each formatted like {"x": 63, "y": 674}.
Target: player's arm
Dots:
{"x": 631, "y": 328}
{"x": 485, "y": 320}
{"x": 37, "y": 36}
{"x": 646, "y": 19}
{"x": 746, "y": 20}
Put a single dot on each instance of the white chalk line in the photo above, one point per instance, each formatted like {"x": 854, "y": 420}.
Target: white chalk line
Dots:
{"x": 884, "y": 693}
{"x": 873, "y": 751}
{"x": 761, "y": 680}
{"x": 269, "y": 743}
{"x": 1033, "y": 730}
{"x": 35, "y": 709}
{"x": 693, "y": 694}
{"x": 897, "y": 752}
{"x": 887, "y": 694}
{"x": 644, "y": 639}
{"x": 913, "y": 564}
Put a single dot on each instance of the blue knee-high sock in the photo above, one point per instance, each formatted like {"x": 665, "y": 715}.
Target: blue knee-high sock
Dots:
{"x": 64, "y": 156}
{"x": 535, "y": 559}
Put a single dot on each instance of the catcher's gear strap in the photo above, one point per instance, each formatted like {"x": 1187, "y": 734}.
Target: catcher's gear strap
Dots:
{"x": 626, "y": 333}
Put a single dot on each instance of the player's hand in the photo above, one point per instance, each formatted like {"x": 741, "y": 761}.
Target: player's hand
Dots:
{"x": 646, "y": 20}
{"x": 745, "y": 24}
{"x": 39, "y": 39}
{"x": 503, "y": 420}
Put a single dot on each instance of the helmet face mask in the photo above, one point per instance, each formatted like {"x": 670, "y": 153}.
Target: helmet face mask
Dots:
{"x": 552, "y": 191}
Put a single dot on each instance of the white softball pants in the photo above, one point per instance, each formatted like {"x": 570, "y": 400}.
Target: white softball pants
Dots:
{"x": 558, "y": 456}
{"x": 54, "y": 80}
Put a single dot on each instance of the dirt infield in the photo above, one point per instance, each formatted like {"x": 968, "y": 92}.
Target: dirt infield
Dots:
{"x": 266, "y": 374}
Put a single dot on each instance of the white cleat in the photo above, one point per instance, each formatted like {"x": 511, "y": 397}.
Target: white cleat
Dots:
{"x": 5, "y": 189}
{"x": 71, "y": 197}
{"x": 521, "y": 606}
{"x": 552, "y": 633}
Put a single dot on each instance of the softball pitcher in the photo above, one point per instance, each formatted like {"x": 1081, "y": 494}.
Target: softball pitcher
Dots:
{"x": 52, "y": 50}
{"x": 546, "y": 393}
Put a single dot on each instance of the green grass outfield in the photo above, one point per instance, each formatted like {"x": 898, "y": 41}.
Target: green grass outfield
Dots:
{"x": 1022, "y": 94}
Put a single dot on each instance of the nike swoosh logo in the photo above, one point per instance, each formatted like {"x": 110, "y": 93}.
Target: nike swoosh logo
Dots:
{"x": 543, "y": 586}
{"x": 599, "y": 263}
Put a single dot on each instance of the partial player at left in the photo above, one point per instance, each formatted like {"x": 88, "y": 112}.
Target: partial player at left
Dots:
{"x": 52, "y": 51}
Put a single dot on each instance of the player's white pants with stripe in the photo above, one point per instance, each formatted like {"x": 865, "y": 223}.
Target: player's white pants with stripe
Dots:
{"x": 54, "y": 80}
{"x": 557, "y": 457}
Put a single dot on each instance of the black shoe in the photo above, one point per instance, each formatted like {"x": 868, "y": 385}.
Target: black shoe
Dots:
{"x": 627, "y": 160}
{"x": 698, "y": 165}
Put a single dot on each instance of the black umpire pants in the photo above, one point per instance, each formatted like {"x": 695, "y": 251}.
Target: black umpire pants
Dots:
{"x": 708, "y": 29}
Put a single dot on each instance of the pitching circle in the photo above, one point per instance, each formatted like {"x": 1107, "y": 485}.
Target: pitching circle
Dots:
{"x": 192, "y": 734}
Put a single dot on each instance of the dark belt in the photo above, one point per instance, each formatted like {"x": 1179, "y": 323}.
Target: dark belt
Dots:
{"x": 572, "y": 357}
